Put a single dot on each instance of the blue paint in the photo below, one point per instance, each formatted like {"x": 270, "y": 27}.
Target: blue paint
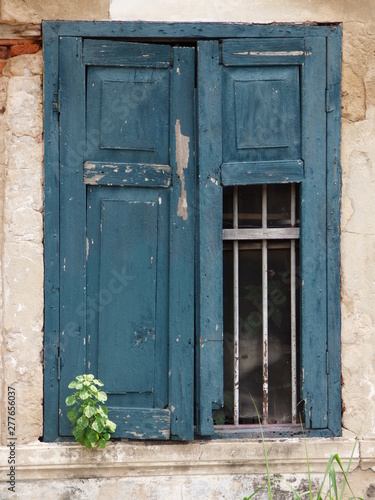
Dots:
{"x": 121, "y": 196}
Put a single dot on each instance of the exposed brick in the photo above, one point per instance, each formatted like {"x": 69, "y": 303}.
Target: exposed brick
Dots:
{"x": 2, "y": 64}
{"x": 9, "y": 42}
{"x": 3, "y": 52}
{"x": 17, "y": 50}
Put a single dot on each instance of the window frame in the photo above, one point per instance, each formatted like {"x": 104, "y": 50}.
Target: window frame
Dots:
{"x": 194, "y": 33}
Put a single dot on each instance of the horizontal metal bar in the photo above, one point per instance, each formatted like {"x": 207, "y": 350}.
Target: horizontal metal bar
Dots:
{"x": 126, "y": 174}
{"x": 290, "y": 233}
{"x": 257, "y": 245}
{"x": 261, "y": 172}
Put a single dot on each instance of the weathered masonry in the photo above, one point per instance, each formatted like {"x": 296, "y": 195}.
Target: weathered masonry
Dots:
{"x": 134, "y": 210}
{"x": 184, "y": 213}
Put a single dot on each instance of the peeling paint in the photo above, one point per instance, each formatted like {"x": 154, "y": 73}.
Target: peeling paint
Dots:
{"x": 279, "y": 53}
{"x": 182, "y": 160}
{"x": 94, "y": 179}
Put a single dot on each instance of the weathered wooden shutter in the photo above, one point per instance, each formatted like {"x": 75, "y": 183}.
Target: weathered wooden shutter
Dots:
{"x": 127, "y": 231}
{"x": 209, "y": 350}
{"x": 262, "y": 119}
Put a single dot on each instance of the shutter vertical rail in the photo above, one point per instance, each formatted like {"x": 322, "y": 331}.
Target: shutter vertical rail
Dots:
{"x": 209, "y": 352}
{"x": 236, "y": 314}
{"x": 265, "y": 307}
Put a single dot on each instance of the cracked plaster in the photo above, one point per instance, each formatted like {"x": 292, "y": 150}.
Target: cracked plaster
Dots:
{"x": 21, "y": 201}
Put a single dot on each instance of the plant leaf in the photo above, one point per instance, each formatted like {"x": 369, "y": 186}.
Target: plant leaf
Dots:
{"x": 98, "y": 382}
{"x": 70, "y": 400}
{"x": 102, "y": 411}
{"x": 78, "y": 433}
{"x": 72, "y": 415}
{"x": 84, "y": 395}
{"x": 82, "y": 422}
{"x": 102, "y": 396}
{"x": 89, "y": 411}
{"x": 87, "y": 443}
{"x": 111, "y": 426}
{"x": 92, "y": 436}
{"x": 72, "y": 385}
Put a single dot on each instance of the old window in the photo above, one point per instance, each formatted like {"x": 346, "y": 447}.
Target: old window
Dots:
{"x": 188, "y": 181}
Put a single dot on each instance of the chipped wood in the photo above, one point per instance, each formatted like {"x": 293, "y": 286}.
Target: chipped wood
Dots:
{"x": 182, "y": 160}
{"x": 127, "y": 174}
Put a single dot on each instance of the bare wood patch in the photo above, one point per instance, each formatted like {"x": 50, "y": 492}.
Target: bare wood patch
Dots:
{"x": 182, "y": 159}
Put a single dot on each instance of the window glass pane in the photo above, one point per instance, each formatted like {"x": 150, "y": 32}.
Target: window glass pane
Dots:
{"x": 279, "y": 336}
{"x": 228, "y": 208}
{"x": 225, "y": 415}
{"x": 278, "y": 201}
{"x": 249, "y": 206}
{"x": 251, "y": 324}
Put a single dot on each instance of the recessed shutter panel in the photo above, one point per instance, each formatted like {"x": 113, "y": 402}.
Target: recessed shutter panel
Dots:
{"x": 134, "y": 178}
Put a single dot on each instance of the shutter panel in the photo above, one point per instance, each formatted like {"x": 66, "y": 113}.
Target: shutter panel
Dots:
{"x": 261, "y": 111}
{"x": 269, "y": 126}
{"x": 275, "y": 131}
{"x": 209, "y": 352}
{"x": 128, "y": 227}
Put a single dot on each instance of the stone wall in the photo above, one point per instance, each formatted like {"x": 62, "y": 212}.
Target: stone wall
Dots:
{"x": 21, "y": 136}
{"x": 174, "y": 471}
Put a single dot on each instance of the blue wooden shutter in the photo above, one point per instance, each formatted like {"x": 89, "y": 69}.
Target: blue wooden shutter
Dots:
{"x": 275, "y": 122}
{"x": 262, "y": 120}
{"x": 209, "y": 351}
{"x": 127, "y": 231}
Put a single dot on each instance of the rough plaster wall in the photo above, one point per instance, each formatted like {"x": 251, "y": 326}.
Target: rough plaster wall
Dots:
{"x": 35, "y": 11}
{"x": 225, "y": 487}
{"x": 229, "y": 487}
{"x": 358, "y": 226}
{"x": 21, "y": 244}
{"x": 21, "y": 203}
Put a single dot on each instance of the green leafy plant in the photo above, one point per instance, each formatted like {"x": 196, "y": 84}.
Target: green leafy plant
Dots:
{"x": 89, "y": 418}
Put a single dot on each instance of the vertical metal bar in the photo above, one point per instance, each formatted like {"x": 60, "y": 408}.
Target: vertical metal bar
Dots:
{"x": 293, "y": 340}
{"x": 236, "y": 316}
{"x": 265, "y": 307}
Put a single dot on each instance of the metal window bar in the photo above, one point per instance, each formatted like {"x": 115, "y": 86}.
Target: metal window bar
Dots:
{"x": 265, "y": 306}
{"x": 293, "y": 321}
{"x": 236, "y": 315}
